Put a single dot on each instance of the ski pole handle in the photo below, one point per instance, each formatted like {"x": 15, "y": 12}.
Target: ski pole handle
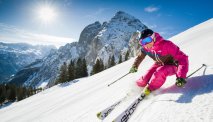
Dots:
{"x": 118, "y": 79}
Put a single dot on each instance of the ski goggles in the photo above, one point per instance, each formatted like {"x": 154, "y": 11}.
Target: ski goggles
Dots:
{"x": 146, "y": 40}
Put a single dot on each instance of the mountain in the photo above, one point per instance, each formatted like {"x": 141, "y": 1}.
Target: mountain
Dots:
{"x": 15, "y": 56}
{"x": 97, "y": 41}
{"x": 80, "y": 102}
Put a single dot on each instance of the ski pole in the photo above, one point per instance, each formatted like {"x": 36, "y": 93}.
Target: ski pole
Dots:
{"x": 118, "y": 79}
{"x": 204, "y": 65}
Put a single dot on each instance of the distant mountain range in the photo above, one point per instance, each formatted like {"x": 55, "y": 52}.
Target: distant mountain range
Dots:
{"x": 97, "y": 41}
{"x": 15, "y": 56}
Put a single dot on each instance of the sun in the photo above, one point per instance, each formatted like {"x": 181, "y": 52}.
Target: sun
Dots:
{"x": 46, "y": 14}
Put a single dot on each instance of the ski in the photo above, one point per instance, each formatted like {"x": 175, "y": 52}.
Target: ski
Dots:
{"x": 104, "y": 113}
{"x": 125, "y": 115}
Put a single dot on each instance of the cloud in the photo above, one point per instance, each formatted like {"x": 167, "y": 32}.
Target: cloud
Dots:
{"x": 151, "y": 9}
{"x": 12, "y": 34}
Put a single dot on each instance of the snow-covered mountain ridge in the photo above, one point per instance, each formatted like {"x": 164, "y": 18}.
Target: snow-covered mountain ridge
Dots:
{"x": 15, "y": 56}
{"x": 97, "y": 41}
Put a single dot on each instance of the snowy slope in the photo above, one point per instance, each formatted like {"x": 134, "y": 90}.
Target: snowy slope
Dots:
{"x": 79, "y": 102}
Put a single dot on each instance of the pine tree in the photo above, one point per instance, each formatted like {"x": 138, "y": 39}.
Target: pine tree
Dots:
{"x": 101, "y": 65}
{"x": 112, "y": 63}
{"x": 63, "y": 77}
{"x": 2, "y": 94}
{"x": 84, "y": 68}
{"x": 20, "y": 94}
{"x": 30, "y": 91}
{"x": 127, "y": 56}
{"x": 34, "y": 91}
{"x": 79, "y": 70}
{"x": 120, "y": 59}
{"x": 39, "y": 89}
{"x": 71, "y": 70}
{"x": 11, "y": 93}
{"x": 24, "y": 92}
{"x": 96, "y": 67}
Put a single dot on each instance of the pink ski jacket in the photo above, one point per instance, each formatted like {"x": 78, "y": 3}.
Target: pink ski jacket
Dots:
{"x": 165, "y": 52}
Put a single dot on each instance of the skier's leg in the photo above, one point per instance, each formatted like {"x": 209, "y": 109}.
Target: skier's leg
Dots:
{"x": 159, "y": 76}
{"x": 142, "y": 81}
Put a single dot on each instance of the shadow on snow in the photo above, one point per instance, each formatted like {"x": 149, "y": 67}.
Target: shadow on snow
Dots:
{"x": 195, "y": 86}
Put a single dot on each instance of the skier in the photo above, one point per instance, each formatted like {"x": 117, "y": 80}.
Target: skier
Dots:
{"x": 169, "y": 60}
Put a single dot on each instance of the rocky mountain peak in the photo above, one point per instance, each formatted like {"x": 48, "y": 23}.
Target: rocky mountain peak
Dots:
{"x": 96, "y": 42}
{"x": 89, "y": 32}
{"x": 122, "y": 16}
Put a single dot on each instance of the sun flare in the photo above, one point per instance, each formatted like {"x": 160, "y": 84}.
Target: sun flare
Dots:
{"x": 46, "y": 14}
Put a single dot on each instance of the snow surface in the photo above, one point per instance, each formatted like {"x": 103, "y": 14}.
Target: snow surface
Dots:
{"x": 80, "y": 101}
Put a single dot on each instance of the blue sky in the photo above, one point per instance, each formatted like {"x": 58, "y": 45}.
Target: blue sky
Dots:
{"x": 20, "y": 20}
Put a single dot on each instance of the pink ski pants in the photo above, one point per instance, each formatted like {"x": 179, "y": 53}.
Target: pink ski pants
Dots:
{"x": 156, "y": 76}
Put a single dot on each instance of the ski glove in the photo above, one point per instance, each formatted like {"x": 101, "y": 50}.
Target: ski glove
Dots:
{"x": 133, "y": 69}
{"x": 180, "y": 82}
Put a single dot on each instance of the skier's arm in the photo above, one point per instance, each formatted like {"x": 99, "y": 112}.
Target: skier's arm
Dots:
{"x": 139, "y": 59}
{"x": 181, "y": 58}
